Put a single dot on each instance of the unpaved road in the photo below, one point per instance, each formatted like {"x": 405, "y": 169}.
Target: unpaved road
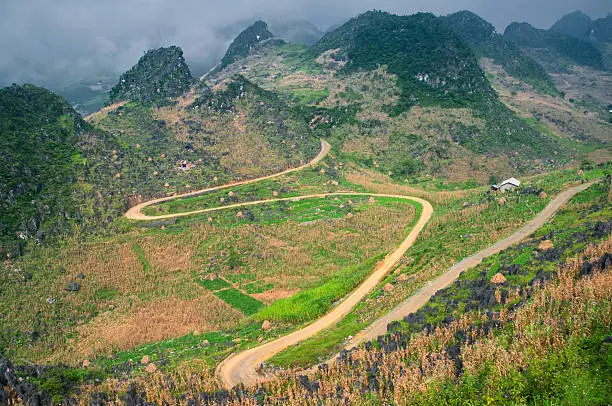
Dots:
{"x": 414, "y": 302}
{"x": 241, "y": 367}
{"x": 135, "y": 213}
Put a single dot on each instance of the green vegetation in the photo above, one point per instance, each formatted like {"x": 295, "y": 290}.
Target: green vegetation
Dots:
{"x": 297, "y": 57}
{"x": 573, "y": 375}
{"x": 310, "y": 96}
{"x": 463, "y": 339}
{"x": 485, "y": 42}
{"x": 213, "y": 284}
{"x": 602, "y": 28}
{"x": 244, "y": 42}
{"x": 310, "y": 304}
{"x": 106, "y": 293}
{"x": 577, "y": 50}
{"x": 54, "y": 170}
{"x": 142, "y": 257}
{"x": 235, "y": 298}
{"x": 258, "y": 287}
{"x": 350, "y": 95}
{"x": 416, "y": 48}
{"x": 575, "y": 24}
{"x": 160, "y": 74}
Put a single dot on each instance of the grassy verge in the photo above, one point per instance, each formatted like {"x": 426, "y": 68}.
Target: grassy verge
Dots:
{"x": 312, "y": 303}
{"x": 142, "y": 257}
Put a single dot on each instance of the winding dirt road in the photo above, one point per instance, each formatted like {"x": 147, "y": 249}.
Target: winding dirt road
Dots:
{"x": 241, "y": 367}
{"x": 414, "y": 302}
{"x": 135, "y": 213}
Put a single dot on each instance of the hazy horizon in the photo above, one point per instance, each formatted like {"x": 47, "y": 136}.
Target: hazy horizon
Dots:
{"x": 54, "y": 42}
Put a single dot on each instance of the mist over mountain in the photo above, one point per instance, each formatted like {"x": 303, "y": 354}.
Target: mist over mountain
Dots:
{"x": 62, "y": 43}
{"x": 576, "y": 24}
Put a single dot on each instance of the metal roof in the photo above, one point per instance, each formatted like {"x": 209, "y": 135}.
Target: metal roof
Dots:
{"x": 511, "y": 181}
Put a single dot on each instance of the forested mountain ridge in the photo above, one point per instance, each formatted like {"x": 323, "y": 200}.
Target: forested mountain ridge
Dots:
{"x": 432, "y": 64}
{"x": 576, "y": 24}
{"x": 574, "y": 49}
{"x": 245, "y": 41}
{"x": 485, "y": 42}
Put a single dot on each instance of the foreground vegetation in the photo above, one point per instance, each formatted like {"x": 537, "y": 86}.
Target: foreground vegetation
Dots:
{"x": 163, "y": 279}
{"x": 550, "y": 319}
{"x": 447, "y": 239}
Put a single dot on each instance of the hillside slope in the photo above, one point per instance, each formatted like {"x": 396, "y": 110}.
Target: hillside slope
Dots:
{"x": 433, "y": 65}
{"x": 553, "y": 45}
{"x": 234, "y": 131}
{"x": 57, "y": 174}
{"x": 403, "y": 95}
{"x": 485, "y": 42}
{"x": 576, "y": 24}
{"x": 245, "y": 41}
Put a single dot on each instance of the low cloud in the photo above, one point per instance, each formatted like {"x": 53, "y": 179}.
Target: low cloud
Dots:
{"x": 58, "y": 42}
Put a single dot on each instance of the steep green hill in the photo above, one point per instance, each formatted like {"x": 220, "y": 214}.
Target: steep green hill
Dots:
{"x": 485, "y": 42}
{"x": 234, "y": 132}
{"x": 159, "y": 74}
{"x": 64, "y": 175}
{"x": 365, "y": 85}
{"x": 241, "y": 46}
{"x": 576, "y": 24}
{"x": 573, "y": 49}
{"x": 56, "y": 174}
{"x": 433, "y": 65}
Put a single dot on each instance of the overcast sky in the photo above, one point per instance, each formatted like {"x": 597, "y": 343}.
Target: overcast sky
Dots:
{"x": 43, "y": 41}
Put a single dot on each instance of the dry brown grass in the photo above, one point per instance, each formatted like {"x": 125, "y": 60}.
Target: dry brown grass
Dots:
{"x": 561, "y": 309}
{"x": 380, "y": 183}
{"x": 150, "y": 322}
{"x": 170, "y": 257}
{"x": 273, "y": 295}
{"x": 237, "y": 142}
{"x": 290, "y": 255}
{"x": 94, "y": 117}
{"x": 560, "y": 116}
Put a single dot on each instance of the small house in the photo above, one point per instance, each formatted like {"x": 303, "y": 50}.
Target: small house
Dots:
{"x": 509, "y": 184}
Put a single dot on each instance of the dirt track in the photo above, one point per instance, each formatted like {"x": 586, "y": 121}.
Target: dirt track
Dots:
{"x": 241, "y": 367}
{"x": 135, "y": 212}
{"x": 414, "y": 302}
